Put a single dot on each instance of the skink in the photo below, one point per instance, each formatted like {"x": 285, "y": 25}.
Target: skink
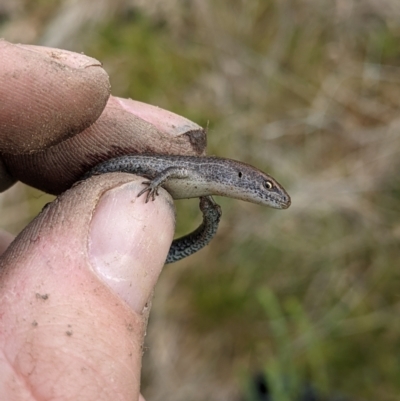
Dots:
{"x": 195, "y": 176}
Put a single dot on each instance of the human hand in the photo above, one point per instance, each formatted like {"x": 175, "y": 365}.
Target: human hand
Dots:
{"x": 76, "y": 284}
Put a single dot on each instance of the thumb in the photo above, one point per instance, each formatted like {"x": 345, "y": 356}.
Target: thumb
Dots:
{"x": 74, "y": 293}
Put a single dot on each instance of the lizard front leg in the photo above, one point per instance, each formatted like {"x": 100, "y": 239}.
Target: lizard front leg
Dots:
{"x": 160, "y": 179}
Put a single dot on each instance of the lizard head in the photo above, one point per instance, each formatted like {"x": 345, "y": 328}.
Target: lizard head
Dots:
{"x": 247, "y": 183}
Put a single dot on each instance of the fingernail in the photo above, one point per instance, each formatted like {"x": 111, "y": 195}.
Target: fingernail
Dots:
{"x": 164, "y": 120}
{"x": 129, "y": 241}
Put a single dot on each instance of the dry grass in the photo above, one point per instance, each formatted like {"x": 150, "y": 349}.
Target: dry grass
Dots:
{"x": 308, "y": 90}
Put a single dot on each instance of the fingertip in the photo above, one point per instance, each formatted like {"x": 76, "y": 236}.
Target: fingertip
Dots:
{"x": 66, "y": 57}
{"x": 48, "y": 94}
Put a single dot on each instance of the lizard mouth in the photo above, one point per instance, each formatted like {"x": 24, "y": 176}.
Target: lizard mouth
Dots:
{"x": 284, "y": 202}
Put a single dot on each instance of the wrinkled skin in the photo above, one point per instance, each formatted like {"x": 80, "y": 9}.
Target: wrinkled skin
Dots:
{"x": 76, "y": 284}
{"x": 71, "y": 123}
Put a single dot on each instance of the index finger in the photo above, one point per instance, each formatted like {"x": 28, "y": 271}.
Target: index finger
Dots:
{"x": 39, "y": 147}
{"x": 47, "y": 95}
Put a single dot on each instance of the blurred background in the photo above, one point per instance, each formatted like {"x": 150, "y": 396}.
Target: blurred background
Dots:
{"x": 309, "y": 91}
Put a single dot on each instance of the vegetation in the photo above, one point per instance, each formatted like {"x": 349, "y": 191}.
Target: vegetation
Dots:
{"x": 309, "y": 91}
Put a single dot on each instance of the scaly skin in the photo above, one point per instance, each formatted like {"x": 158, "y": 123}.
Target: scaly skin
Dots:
{"x": 192, "y": 177}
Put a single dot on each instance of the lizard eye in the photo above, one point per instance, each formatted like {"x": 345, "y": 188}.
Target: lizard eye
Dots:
{"x": 268, "y": 184}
